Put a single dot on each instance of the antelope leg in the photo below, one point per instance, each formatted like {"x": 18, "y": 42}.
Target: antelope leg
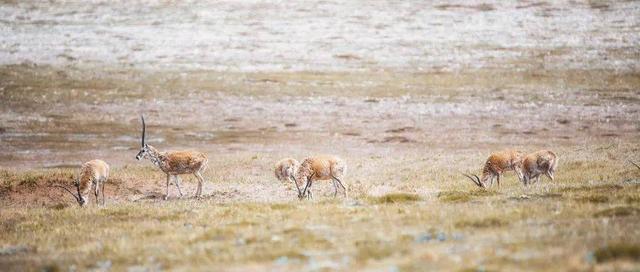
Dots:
{"x": 166, "y": 195}
{"x": 177, "y": 178}
{"x": 102, "y": 190}
{"x": 341, "y": 185}
{"x": 335, "y": 188}
{"x": 96, "y": 191}
{"x": 307, "y": 187}
{"x": 200, "y": 182}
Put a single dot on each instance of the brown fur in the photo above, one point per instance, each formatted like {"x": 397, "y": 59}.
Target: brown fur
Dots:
{"x": 94, "y": 174}
{"x": 500, "y": 162}
{"x": 284, "y": 171}
{"x": 324, "y": 167}
{"x": 174, "y": 163}
{"x": 538, "y": 163}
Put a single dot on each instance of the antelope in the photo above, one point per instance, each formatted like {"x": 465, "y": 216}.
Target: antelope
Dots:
{"x": 496, "y": 165}
{"x": 537, "y": 163}
{"x": 325, "y": 167}
{"x": 94, "y": 174}
{"x": 174, "y": 163}
{"x": 285, "y": 169}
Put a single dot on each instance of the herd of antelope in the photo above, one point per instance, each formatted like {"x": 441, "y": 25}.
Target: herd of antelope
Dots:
{"x": 94, "y": 174}
{"x": 527, "y": 167}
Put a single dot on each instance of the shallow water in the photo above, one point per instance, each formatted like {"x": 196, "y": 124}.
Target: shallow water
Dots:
{"x": 323, "y": 35}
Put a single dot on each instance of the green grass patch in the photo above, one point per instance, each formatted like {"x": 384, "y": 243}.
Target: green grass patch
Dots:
{"x": 376, "y": 250}
{"x": 454, "y": 196}
{"x": 282, "y": 206}
{"x": 482, "y": 223}
{"x": 593, "y": 199}
{"x": 632, "y": 199}
{"x": 460, "y": 196}
{"x": 170, "y": 217}
{"x": 617, "y": 251}
{"x": 59, "y": 206}
{"x": 215, "y": 234}
{"x": 617, "y": 212}
{"x": 546, "y": 195}
{"x": 597, "y": 188}
{"x": 394, "y": 198}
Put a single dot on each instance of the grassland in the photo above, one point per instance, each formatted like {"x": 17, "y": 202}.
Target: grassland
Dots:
{"x": 427, "y": 219}
{"x": 408, "y": 207}
{"x": 408, "y": 93}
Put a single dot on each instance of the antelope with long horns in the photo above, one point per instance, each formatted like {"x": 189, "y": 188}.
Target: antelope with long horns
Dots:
{"x": 92, "y": 174}
{"x": 543, "y": 162}
{"x": 325, "y": 167}
{"x": 496, "y": 165}
{"x": 285, "y": 169}
{"x": 174, "y": 163}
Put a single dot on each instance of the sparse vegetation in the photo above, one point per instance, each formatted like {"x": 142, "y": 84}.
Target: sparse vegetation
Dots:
{"x": 405, "y": 117}
{"x": 491, "y": 222}
{"x": 460, "y": 196}
{"x": 455, "y": 196}
{"x": 618, "y": 251}
{"x": 225, "y": 229}
{"x": 394, "y": 198}
{"x": 594, "y": 199}
{"x": 602, "y": 188}
{"x": 618, "y": 212}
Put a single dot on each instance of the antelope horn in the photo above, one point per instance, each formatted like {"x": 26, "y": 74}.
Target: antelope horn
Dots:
{"x": 304, "y": 192}
{"x": 634, "y": 164}
{"x": 143, "y": 129}
{"x": 297, "y": 186}
{"x": 67, "y": 189}
{"x": 476, "y": 181}
{"x": 77, "y": 184}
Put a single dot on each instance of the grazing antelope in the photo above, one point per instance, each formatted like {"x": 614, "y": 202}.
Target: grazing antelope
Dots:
{"x": 92, "y": 174}
{"x": 174, "y": 163}
{"x": 325, "y": 167}
{"x": 496, "y": 165}
{"x": 285, "y": 169}
{"x": 537, "y": 163}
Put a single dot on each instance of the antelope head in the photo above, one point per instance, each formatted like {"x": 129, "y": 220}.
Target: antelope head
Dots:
{"x": 79, "y": 198}
{"x": 144, "y": 149}
{"x": 476, "y": 180}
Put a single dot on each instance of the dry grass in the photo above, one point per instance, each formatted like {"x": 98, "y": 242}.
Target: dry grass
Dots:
{"x": 618, "y": 212}
{"x": 491, "y": 222}
{"x": 408, "y": 230}
{"x": 394, "y": 198}
{"x": 618, "y": 251}
{"x": 459, "y": 196}
{"x": 405, "y": 132}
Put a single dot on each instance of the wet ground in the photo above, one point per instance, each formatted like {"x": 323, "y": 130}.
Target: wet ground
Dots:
{"x": 265, "y": 77}
{"x": 50, "y": 121}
